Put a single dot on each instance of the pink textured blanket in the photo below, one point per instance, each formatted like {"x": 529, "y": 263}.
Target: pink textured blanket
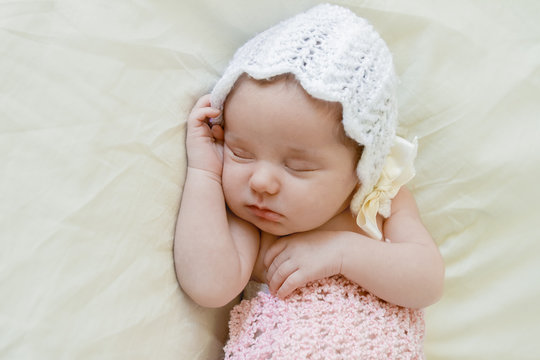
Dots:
{"x": 328, "y": 319}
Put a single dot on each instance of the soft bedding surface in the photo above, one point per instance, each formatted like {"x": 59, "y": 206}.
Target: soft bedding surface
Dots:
{"x": 93, "y": 101}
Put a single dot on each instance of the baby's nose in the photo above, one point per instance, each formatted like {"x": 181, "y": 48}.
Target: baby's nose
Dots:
{"x": 264, "y": 180}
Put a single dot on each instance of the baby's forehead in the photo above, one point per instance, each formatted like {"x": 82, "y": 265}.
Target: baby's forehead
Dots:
{"x": 255, "y": 101}
{"x": 251, "y": 88}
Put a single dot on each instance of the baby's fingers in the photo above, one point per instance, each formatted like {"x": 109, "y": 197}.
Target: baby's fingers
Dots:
{"x": 200, "y": 115}
{"x": 202, "y": 111}
{"x": 275, "y": 249}
{"x": 277, "y": 276}
{"x": 293, "y": 282}
{"x": 204, "y": 101}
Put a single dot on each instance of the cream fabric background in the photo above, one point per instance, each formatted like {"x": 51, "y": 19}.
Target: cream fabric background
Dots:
{"x": 93, "y": 99}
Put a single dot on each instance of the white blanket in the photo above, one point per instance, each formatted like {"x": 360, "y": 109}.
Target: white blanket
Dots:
{"x": 93, "y": 101}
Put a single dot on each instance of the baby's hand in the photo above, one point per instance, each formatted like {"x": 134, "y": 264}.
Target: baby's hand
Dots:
{"x": 204, "y": 141}
{"x": 293, "y": 261}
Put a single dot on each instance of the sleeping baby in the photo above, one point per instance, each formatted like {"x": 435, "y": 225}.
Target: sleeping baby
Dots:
{"x": 295, "y": 194}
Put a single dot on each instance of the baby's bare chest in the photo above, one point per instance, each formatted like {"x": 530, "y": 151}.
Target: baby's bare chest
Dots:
{"x": 341, "y": 222}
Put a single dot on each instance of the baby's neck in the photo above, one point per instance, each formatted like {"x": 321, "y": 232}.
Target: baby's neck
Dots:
{"x": 343, "y": 221}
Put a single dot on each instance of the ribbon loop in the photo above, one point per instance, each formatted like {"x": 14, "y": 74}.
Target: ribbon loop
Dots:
{"x": 398, "y": 169}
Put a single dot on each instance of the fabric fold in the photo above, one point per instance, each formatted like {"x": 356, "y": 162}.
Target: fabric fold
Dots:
{"x": 398, "y": 169}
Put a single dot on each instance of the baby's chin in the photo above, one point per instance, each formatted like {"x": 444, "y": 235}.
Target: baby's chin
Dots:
{"x": 275, "y": 229}
{"x": 278, "y": 229}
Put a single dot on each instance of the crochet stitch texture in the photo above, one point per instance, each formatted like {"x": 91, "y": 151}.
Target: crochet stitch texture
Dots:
{"x": 327, "y": 319}
{"x": 336, "y": 56}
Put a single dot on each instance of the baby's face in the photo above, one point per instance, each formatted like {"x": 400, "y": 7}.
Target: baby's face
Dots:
{"x": 285, "y": 167}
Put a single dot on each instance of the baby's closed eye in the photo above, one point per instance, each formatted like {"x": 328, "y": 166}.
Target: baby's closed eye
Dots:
{"x": 241, "y": 154}
{"x": 301, "y": 165}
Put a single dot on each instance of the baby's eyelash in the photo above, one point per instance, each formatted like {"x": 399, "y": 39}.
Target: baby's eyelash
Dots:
{"x": 240, "y": 154}
{"x": 301, "y": 168}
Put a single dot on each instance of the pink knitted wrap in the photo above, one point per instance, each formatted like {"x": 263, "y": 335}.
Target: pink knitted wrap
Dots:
{"x": 327, "y": 319}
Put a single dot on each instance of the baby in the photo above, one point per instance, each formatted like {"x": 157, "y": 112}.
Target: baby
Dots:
{"x": 293, "y": 162}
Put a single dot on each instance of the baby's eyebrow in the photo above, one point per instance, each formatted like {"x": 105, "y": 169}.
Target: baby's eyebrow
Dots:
{"x": 297, "y": 150}
{"x": 300, "y": 151}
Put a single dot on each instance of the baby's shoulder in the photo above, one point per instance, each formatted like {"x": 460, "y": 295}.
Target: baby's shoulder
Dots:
{"x": 404, "y": 202}
{"x": 345, "y": 221}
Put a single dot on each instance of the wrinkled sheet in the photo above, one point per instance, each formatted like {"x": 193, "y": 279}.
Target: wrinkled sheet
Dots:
{"x": 93, "y": 101}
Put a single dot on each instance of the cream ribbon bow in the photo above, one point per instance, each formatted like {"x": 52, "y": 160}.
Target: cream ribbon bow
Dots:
{"x": 398, "y": 169}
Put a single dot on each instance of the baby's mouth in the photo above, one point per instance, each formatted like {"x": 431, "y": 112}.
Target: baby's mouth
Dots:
{"x": 264, "y": 213}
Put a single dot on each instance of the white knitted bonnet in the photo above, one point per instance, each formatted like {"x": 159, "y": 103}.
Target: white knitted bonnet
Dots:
{"x": 336, "y": 56}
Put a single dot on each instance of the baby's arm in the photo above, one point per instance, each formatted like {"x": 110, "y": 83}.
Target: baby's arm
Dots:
{"x": 214, "y": 251}
{"x": 407, "y": 271}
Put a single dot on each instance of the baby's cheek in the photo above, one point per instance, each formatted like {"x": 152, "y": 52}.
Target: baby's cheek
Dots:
{"x": 226, "y": 181}
{"x": 230, "y": 171}
{"x": 305, "y": 199}
{"x": 232, "y": 181}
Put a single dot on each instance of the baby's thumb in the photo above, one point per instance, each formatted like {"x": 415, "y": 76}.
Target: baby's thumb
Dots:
{"x": 217, "y": 132}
